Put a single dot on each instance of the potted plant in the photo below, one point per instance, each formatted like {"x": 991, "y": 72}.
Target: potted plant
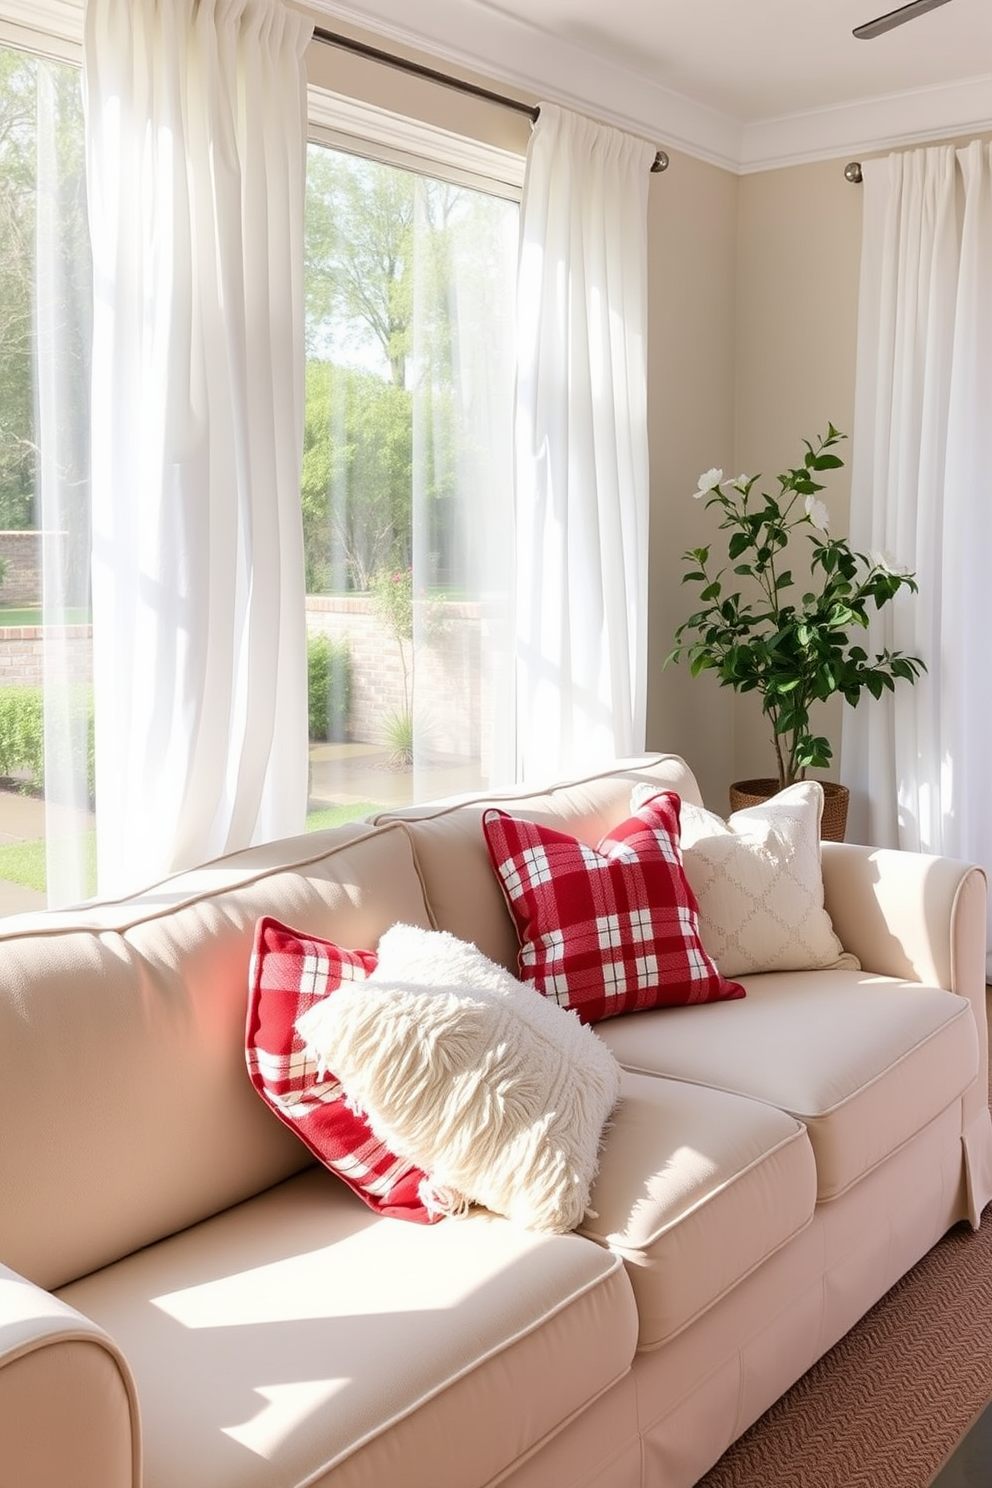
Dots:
{"x": 794, "y": 649}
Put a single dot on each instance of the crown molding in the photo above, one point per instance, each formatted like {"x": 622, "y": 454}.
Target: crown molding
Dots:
{"x": 872, "y": 125}
{"x": 483, "y": 39}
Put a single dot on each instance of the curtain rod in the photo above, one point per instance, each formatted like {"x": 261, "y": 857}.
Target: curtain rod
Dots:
{"x": 852, "y": 173}
{"x": 362, "y": 49}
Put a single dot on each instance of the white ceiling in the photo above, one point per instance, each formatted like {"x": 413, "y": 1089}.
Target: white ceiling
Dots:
{"x": 747, "y": 84}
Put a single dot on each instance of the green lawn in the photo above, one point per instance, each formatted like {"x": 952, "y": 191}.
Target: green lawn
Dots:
{"x": 336, "y": 816}
{"x": 24, "y": 862}
{"x": 33, "y": 615}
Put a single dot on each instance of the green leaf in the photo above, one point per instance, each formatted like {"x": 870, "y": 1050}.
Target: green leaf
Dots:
{"x": 813, "y": 753}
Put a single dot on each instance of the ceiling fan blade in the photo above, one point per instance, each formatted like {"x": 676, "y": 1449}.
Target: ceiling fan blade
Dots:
{"x": 895, "y": 18}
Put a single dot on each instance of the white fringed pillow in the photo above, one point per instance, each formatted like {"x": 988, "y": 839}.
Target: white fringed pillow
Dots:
{"x": 758, "y": 880}
{"x": 498, "y": 1094}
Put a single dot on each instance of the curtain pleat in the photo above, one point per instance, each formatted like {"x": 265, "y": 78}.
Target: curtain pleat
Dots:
{"x": 581, "y": 447}
{"x": 915, "y": 760}
{"x": 196, "y": 135}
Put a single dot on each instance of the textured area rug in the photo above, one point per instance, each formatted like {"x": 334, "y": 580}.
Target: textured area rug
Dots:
{"x": 886, "y": 1405}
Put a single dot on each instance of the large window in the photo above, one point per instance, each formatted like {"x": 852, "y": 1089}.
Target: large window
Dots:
{"x": 45, "y": 298}
{"x": 405, "y": 497}
{"x": 406, "y": 480}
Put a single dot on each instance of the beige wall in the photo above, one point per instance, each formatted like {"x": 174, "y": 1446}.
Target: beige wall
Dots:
{"x": 754, "y": 288}
{"x": 752, "y": 314}
{"x": 692, "y": 255}
{"x": 798, "y": 264}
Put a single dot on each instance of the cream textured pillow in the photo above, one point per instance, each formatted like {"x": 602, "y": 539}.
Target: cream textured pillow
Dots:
{"x": 759, "y": 884}
{"x": 501, "y": 1094}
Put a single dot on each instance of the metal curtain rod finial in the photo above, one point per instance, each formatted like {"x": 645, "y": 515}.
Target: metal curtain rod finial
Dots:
{"x": 852, "y": 173}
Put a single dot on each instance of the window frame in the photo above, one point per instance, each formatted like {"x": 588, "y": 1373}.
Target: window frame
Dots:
{"x": 379, "y": 134}
{"x": 48, "y": 28}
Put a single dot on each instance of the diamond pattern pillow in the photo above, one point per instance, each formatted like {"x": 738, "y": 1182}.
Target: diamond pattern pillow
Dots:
{"x": 758, "y": 881}
{"x": 291, "y": 973}
{"x": 605, "y": 930}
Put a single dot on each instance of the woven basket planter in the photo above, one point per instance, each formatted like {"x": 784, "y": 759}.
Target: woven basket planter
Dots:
{"x": 835, "y": 798}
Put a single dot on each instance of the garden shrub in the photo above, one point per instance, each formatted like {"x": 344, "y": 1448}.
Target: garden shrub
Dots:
{"x": 22, "y": 716}
{"x": 328, "y": 687}
{"x": 22, "y": 734}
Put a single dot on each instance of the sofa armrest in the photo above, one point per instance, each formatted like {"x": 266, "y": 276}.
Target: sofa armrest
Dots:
{"x": 68, "y": 1406}
{"x": 922, "y": 919}
{"x": 910, "y": 915}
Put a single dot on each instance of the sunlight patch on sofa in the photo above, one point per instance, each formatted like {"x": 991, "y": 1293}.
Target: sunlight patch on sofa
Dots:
{"x": 286, "y": 1408}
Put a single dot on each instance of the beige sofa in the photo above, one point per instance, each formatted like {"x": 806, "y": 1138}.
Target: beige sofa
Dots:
{"x": 188, "y": 1301}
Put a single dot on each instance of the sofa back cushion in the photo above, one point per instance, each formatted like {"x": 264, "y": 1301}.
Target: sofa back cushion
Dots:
{"x": 126, "y": 1110}
{"x": 462, "y": 889}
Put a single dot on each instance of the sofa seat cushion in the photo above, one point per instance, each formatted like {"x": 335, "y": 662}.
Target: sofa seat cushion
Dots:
{"x": 863, "y": 1061}
{"x": 696, "y": 1188}
{"x": 300, "y": 1334}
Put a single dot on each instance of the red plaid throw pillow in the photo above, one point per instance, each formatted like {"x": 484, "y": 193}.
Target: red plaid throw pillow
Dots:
{"x": 611, "y": 929}
{"x": 289, "y": 973}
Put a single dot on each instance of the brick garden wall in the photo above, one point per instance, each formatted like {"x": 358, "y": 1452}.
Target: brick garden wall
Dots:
{"x": 450, "y": 701}
{"x": 22, "y": 649}
{"x": 22, "y": 553}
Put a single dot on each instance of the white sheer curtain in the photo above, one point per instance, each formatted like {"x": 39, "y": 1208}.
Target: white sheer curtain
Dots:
{"x": 917, "y": 762}
{"x": 196, "y": 164}
{"x": 581, "y": 447}
{"x": 61, "y": 327}
{"x": 463, "y": 246}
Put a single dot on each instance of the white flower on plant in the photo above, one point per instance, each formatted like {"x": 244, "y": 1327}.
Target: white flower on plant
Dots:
{"x": 884, "y": 560}
{"x": 740, "y": 483}
{"x": 817, "y": 513}
{"x": 708, "y": 481}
